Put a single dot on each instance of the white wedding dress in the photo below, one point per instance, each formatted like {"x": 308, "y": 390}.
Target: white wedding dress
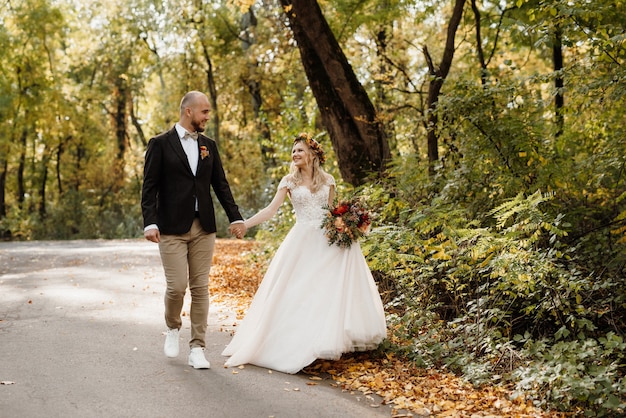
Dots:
{"x": 316, "y": 301}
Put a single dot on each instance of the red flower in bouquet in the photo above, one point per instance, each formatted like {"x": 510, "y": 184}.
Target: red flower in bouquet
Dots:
{"x": 341, "y": 209}
{"x": 204, "y": 152}
{"x": 346, "y": 222}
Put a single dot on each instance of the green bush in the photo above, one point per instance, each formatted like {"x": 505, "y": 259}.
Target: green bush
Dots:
{"x": 505, "y": 297}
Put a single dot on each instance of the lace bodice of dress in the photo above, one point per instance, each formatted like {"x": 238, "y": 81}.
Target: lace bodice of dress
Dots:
{"x": 309, "y": 207}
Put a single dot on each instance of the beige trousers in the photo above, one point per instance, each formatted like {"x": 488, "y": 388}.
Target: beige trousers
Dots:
{"x": 186, "y": 262}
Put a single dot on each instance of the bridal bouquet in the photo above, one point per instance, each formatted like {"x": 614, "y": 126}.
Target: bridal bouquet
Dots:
{"x": 346, "y": 222}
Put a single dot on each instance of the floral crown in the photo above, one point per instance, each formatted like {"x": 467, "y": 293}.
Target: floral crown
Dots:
{"x": 313, "y": 145}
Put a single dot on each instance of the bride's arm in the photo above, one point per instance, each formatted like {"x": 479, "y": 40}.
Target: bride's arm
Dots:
{"x": 331, "y": 192}
{"x": 269, "y": 211}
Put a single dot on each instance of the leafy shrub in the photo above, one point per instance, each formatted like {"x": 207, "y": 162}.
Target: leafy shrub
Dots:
{"x": 500, "y": 298}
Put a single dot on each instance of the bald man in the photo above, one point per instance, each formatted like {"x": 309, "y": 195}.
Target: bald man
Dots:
{"x": 181, "y": 166}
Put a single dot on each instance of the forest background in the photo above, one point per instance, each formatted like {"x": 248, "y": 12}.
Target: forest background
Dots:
{"x": 488, "y": 137}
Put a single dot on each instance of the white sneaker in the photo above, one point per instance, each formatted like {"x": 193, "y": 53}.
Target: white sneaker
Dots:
{"x": 197, "y": 359}
{"x": 171, "y": 343}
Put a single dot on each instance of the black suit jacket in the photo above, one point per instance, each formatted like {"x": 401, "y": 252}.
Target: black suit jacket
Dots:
{"x": 170, "y": 189}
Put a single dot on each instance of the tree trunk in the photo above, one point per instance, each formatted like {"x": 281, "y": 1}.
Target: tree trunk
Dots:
{"x": 21, "y": 187}
{"x": 210, "y": 78}
{"x": 3, "y": 184}
{"x": 42, "y": 184}
{"x": 4, "y": 233}
{"x": 355, "y": 131}
{"x": 59, "y": 154}
{"x": 438, "y": 76}
{"x": 120, "y": 123}
{"x": 479, "y": 45}
{"x": 382, "y": 82}
{"x": 559, "y": 101}
{"x": 137, "y": 125}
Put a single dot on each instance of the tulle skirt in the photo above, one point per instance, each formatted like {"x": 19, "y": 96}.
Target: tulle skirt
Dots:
{"x": 315, "y": 302}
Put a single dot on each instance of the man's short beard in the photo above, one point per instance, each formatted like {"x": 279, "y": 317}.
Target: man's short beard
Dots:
{"x": 196, "y": 127}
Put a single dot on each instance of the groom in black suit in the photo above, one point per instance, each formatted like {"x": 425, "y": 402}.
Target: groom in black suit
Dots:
{"x": 181, "y": 166}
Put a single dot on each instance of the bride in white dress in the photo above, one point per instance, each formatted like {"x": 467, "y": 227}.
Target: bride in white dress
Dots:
{"x": 316, "y": 301}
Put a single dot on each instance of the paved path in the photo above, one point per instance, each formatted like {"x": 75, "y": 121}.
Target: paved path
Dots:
{"x": 81, "y": 335}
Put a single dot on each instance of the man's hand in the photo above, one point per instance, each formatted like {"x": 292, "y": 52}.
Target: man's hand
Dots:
{"x": 237, "y": 229}
{"x": 152, "y": 235}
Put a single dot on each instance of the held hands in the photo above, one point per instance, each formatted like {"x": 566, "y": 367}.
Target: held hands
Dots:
{"x": 237, "y": 229}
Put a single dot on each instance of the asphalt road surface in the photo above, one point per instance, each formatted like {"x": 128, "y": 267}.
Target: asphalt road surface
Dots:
{"x": 81, "y": 335}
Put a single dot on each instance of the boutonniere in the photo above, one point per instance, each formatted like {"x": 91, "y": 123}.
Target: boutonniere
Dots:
{"x": 204, "y": 152}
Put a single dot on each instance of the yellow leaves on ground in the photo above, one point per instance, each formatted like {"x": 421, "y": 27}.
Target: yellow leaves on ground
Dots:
{"x": 419, "y": 391}
{"x": 234, "y": 277}
{"x": 410, "y": 390}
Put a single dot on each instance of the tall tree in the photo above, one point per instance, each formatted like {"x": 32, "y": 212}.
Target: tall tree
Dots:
{"x": 32, "y": 47}
{"x": 252, "y": 79}
{"x": 347, "y": 112}
{"x": 438, "y": 74}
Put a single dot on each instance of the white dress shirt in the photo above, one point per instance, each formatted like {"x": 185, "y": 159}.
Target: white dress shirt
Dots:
{"x": 190, "y": 146}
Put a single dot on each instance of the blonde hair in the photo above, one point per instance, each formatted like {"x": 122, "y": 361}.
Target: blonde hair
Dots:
{"x": 320, "y": 177}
